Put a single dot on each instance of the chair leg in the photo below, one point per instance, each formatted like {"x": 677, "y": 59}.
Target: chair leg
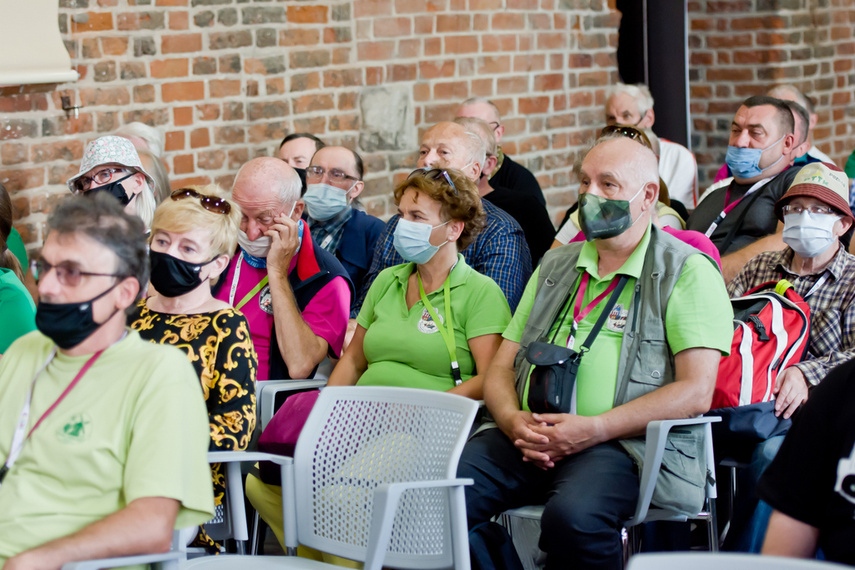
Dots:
{"x": 255, "y": 537}
{"x": 712, "y": 527}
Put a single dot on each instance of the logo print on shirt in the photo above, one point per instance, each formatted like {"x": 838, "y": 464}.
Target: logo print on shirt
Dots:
{"x": 265, "y": 300}
{"x": 76, "y": 429}
{"x": 426, "y": 324}
{"x": 617, "y": 318}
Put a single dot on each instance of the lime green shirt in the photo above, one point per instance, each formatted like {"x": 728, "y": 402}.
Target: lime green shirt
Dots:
{"x": 17, "y": 310}
{"x": 699, "y": 290}
{"x": 403, "y": 346}
{"x": 134, "y": 426}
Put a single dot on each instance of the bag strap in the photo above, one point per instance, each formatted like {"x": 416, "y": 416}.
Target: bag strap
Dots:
{"x": 731, "y": 235}
{"x": 586, "y": 346}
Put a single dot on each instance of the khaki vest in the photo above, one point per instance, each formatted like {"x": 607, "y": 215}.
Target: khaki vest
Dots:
{"x": 646, "y": 362}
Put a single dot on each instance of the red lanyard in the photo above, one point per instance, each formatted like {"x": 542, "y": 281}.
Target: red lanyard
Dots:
{"x": 578, "y": 312}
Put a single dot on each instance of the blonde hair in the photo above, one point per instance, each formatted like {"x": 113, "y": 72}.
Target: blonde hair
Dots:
{"x": 187, "y": 214}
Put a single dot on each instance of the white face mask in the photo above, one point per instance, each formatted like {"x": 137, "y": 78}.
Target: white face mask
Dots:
{"x": 261, "y": 246}
{"x": 809, "y": 234}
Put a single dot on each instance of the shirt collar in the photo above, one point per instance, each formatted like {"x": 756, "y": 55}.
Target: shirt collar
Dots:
{"x": 784, "y": 260}
{"x": 459, "y": 274}
{"x": 588, "y": 259}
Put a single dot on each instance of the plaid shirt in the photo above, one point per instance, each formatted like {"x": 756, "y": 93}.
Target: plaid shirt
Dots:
{"x": 499, "y": 252}
{"x": 832, "y": 318}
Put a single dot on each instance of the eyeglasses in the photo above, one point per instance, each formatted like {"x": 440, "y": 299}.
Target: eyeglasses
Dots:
{"x": 494, "y": 124}
{"x": 629, "y": 132}
{"x": 210, "y": 203}
{"x": 336, "y": 175}
{"x": 101, "y": 177}
{"x": 791, "y": 209}
{"x": 434, "y": 174}
{"x": 66, "y": 273}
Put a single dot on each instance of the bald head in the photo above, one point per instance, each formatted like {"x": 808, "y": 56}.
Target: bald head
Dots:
{"x": 630, "y": 160}
{"x": 484, "y": 109}
{"x": 451, "y": 145}
{"x": 267, "y": 177}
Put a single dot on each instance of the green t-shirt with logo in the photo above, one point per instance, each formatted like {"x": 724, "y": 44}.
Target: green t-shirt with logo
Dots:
{"x": 134, "y": 426}
{"x": 699, "y": 291}
{"x": 403, "y": 346}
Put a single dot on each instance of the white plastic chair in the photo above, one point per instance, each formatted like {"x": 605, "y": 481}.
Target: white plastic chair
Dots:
{"x": 373, "y": 480}
{"x": 656, "y": 438}
{"x": 723, "y": 561}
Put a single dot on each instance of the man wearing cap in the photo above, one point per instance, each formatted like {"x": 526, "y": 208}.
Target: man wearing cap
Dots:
{"x": 815, "y": 213}
{"x": 111, "y": 164}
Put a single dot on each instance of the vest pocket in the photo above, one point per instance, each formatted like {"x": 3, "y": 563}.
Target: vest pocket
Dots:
{"x": 653, "y": 368}
{"x": 680, "y": 486}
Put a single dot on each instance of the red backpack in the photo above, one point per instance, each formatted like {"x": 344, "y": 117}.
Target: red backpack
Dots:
{"x": 771, "y": 326}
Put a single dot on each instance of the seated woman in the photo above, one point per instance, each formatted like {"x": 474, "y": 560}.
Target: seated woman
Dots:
{"x": 17, "y": 310}
{"x": 433, "y": 323}
{"x": 192, "y": 237}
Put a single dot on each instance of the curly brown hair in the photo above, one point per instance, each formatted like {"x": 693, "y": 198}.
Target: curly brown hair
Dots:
{"x": 464, "y": 205}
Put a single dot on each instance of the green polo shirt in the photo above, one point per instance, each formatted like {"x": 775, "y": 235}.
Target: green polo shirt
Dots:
{"x": 699, "y": 290}
{"x": 403, "y": 346}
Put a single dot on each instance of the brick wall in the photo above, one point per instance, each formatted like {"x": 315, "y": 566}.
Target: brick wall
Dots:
{"x": 740, "y": 48}
{"x": 226, "y": 79}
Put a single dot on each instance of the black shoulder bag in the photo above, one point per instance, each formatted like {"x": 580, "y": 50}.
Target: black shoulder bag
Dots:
{"x": 552, "y": 379}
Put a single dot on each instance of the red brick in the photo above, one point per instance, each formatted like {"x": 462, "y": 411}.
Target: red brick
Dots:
{"x": 376, "y": 50}
{"x": 549, "y": 82}
{"x": 390, "y": 27}
{"x": 230, "y": 135}
{"x": 224, "y": 88}
{"x": 515, "y": 84}
{"x": 491, "y": 65}
{"x": 208, "y": 112}
{"x": 128, "y": 21}
{"x": 453, "y": 23}
{"x": 531, "y": 105}
{"x": 98, "y": 22}
{"x": 114, "y": 46}
{"x": 508, "y": 21}
{"x": 344, "y": 123}
{"x": 14, "y": 153}
{"x": 461, "y": 44}
{"x": 307, "y": 14}
{"x": 401, "y": 72}
{"x": 181, "y": 43}
{"x": 183, "y": 91}
{"x": 67, "y": 150}
{"x": 200, "y": 138}
{"x": 174, "y": 141}
{"x": 365, "y": 8}
{"x": 171, "y": 2}
{"x": 22, "y": 179}
{"x": 308, "y": 103}
{"x": 169, "y": 68}
{"x": 211, "y": 160}
{"x": 182, "y": 116}
{"x": 434, "y": 69}
{"x": 178, "y": 20}
{"x": 299, "y": 37}
{"x": 457, "y": 90}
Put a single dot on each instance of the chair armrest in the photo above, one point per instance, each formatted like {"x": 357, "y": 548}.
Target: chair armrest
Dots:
{"x": 654, "y": 448}
{"x": 245, "y": 456}
{"x": 386, "y": 497}
{"x": 266, "y": 391}
{"x": 124, "y": 561}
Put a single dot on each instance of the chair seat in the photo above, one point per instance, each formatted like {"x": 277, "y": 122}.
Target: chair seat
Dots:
{"x": 229, "y": 562}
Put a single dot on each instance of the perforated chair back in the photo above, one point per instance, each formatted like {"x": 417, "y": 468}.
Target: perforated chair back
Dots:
{"x": 359, "y": 438}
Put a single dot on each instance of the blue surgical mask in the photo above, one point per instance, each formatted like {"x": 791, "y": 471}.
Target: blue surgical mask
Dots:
{"x": 412, "y": 241}
{"x": 325, "y": 201}
{"x": 745, "y": 162}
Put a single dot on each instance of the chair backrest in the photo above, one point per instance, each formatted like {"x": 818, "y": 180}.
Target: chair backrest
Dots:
{"x": 358, "y": 438}
{"x": 722, "y": 561}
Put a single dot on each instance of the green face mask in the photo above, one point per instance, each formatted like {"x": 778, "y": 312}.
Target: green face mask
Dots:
{"x": 602, "y": 218}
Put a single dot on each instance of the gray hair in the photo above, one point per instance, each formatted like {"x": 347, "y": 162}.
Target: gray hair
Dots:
{"x": 484, "y": 101}
{"x": 639, "y": 92}
{"x": 781, "y": 92}
{"x": 483, "y": 131}
{"x": 156, "y": 169}
{"x": 153, "y": 137}
{"x": 102, "y": 218}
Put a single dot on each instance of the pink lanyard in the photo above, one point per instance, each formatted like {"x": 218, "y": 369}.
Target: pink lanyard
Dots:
{"x": 21, "y": 435}
{"x": 580, "y": 313}
{"x": 729, "y": 207}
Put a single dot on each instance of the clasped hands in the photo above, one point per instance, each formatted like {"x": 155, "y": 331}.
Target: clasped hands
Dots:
{"x": 545, "y": 439}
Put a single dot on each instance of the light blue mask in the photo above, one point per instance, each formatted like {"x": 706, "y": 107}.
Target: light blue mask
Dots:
{"x": 324, "y": 201}
{"x": 745, "y": 162}
{"x": 412, "y": 241}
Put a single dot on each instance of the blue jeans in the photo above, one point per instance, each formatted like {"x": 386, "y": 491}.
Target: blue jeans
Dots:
{"x": 588, "y": 496}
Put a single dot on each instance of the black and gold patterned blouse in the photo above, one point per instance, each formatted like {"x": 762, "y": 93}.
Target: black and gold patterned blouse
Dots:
{"x": 220, "y": 348}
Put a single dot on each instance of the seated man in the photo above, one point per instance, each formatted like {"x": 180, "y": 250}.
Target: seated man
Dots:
{"x": 529, "y": 214}
{"x": 792, "y": 93}
{"x": 507, "y": 173}
{"x": 677, "y": 317}
{"x": 297, "y": 149}
{"x": 113, "y": 456}
{"x": 811, "y": 482}
{"x": 633, "y": 105}
{"x": 738, "y": 214}
{"x": 499, "y": 251}
{"x": 334, "y": 182}
{"x": 815, "y": 213}
{"x": 295, "y": 296}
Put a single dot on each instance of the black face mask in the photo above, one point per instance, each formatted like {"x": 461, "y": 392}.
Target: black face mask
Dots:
{"x": 116, "y": 190}
{"x": 172, "y": 277}
{"x": 69, "y": 324}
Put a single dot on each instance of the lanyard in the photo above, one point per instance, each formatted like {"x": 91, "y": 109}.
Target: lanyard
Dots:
{"x": 448, "y": 333}
{"x": 21, "y": 435}
{"x": 728, "y": 207}
{"x": 819, "y": 283}
{"x": 236, "y": 278}
{"x": 580, "y": 313}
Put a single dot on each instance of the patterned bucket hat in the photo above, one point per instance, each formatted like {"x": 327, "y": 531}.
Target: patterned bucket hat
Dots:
{"x": 823, "y": 181}
{"x": 110, "y": 150}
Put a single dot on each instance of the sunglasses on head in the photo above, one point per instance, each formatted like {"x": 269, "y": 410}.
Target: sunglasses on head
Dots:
{"x": 434, "y": 174}
{"x": 210, "y": 203}
{"x": 628, "y": 132}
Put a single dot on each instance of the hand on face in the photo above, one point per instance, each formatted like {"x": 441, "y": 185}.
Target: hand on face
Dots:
{"x": 284, "y": 236}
